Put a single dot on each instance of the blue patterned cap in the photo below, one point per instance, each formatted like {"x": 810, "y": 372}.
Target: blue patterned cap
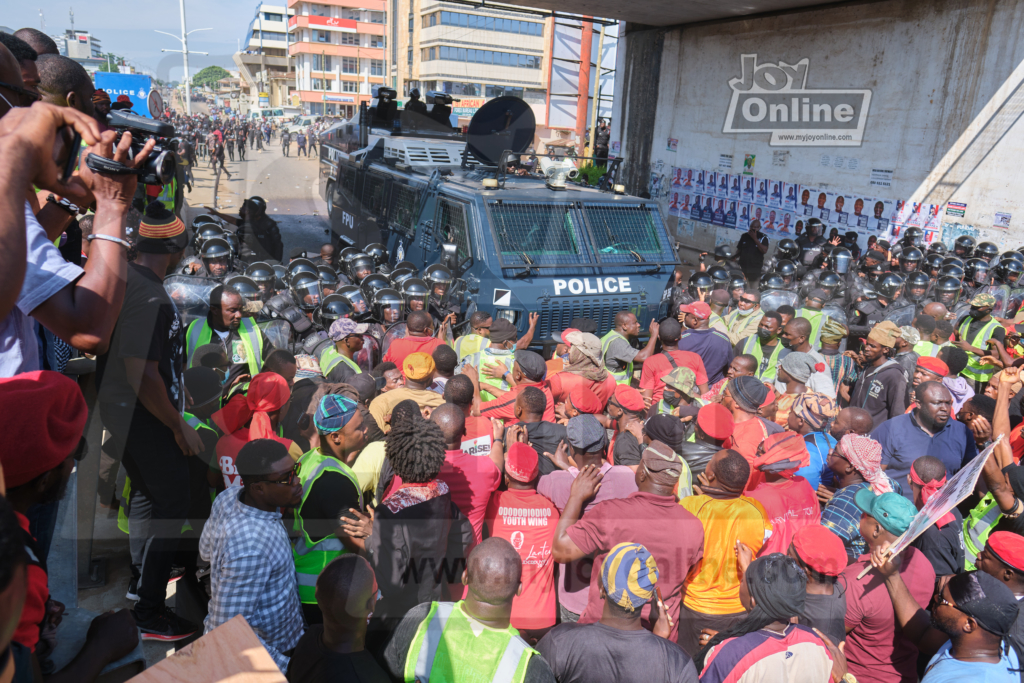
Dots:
{"x": 333, "y": 413}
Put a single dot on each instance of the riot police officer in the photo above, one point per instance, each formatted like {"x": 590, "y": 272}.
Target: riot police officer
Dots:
{"x": 977, "y": 276}
{"x": 214, "y": 259}
{"x": 329, "y": 280}
{"x": 439, "y": 279}
{"x": 360, "y": 307}
{"x": 987, "y": 251}
{"x": 866, "y": 312}
{"x": 963, "y": 247}
{"x": 910, "y": 259}
{"x": 915, "y": 289}
{"x": 912, "y": 237}
{"x": 899, "y": 310}
{"x": 416, "y": 294}
{"x": 946, "y": 291}
{"x": 263, "y": 275}
{"x": 699, "y": 284}
{"x": 388, "y": 307}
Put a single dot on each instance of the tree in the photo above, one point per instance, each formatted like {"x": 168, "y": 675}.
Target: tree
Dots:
{"x": 111, "y": 62}
{"x": 209, "y": 76}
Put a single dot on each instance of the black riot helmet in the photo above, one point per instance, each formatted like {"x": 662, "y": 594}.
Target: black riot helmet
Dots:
{"x": 952, "y": 270}
{"x": 400, "y": 275}
{"x": 216, "y": 256}
{"x": 352, "y": 294}
{"x": 724, "y": 252}
{"x": 947, "y": 291}
{"x": 700, "y": 283}
{"x": 333, "y": 307}
{"x": 889, "y": 286}
{"x": 301, "y": 265}
{"x": 1009, "y": 271}
{"x": 329, "y": 280}
{"x": 264, "y": 276}
{"x": 388, "y": 306}
{"x": 360, "y": 266}
{"x": 345, "y": 253}
{"x": 233, "y": 242}
{"x": 407, "y": 264}
{"x": 937, "y": 247}
{"x": 720, "y": 276}
{"x": 916, "y": 287}
{"x": 933, "y": 263}
{"x": 963, "y": 246}
{"x": 987, "y": 251}
{"x": 839, "y": 260}
{"x": 439, "y": 278}
{"x": 787, "y": 269}
{"x": 773, "y": 281}
{"x": 1011, "y": 255}
{"x": 912, "y": 237}
{"x": 372, "y": 284}
{"x": 378, "y": 252}
{"x": 305, "y": 287}
{"x": 910, "y": 259}
{"x": 867, "y": 291}
{"x": 830, "y": 282}
{"x": 416, "y": 294}
{"x": 976, "y": 271}
{"x": 953, "y": 260}
{"x": 204, "y": 219}
{"x": 815, "y": 227}
{"x": 787, "y": 249}
{"x": 206, "y": 231}
{"x": 280, "y": 277}
{"x": 874, "y": 273}
{"x": 244, "y": 286}
{"x": 737, "y": 283}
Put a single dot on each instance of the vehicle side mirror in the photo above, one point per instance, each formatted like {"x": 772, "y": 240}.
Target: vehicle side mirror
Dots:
{"x": 450, "y": 258}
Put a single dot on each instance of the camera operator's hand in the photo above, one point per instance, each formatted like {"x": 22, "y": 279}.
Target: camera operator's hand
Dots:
{"x": 35, "y": 130}
{"x": 118, "y": 189}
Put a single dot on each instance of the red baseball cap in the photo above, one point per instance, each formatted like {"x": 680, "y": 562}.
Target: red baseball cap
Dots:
{"x": 715, "y": 421}
{"x": 1008, "y": 548}
{"x": 933, "y": 365}
{"x": 521, "y": 462}
{"x": 697, "y": 308}
{"x": 585, "y": 401}
{"x": 820, "y": 549}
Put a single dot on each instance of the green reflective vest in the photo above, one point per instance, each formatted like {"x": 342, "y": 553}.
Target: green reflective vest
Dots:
{"x": 488, "y": 357}
{"x": 765, "y": 371}
{"x": 623, "y": 376}
{"x": 816, "y": 319}
{"x": 975, "y": 370}
{"x": 468, "y": 344}
{"x": 330, "y": 358}
{"x": 978, "y": 524}
{"x": 450, "y": 647}
{"x": 927, "y": 348}
{"x": 310, "y": 557}
{"x": 200, "y": 333}
{"x": 666, "y": 409}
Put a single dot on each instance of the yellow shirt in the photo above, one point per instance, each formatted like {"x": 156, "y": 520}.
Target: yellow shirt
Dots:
{"x": 367, "y": 467}
{"x": 713, "y": 586}
{"x": 381, "y": 406}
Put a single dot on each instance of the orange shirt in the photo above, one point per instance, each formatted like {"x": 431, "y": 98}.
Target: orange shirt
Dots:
{"x": 400, "y": 348}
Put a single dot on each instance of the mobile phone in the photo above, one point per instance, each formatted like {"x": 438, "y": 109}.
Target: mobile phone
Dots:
{"x": 66, "y": 147}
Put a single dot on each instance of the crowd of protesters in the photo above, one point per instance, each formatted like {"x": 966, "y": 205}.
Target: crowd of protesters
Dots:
{"x": 700, "y": 506}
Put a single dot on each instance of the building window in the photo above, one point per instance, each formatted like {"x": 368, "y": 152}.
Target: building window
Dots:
{"x": 503, "y": 91}
{"x": 350, "y": 39}
{"x": 408, "y": 57}
{"x": 410, "y": 23}
{"x": 268, "y": 35}
{"x": 318, "y": 84}
{"x": 376, "y": 17}
{"x": 321, "y": 36}
{"x": 321, "y": 62}
{"x": 349, "y": 65}
{"x": 526, "y": 28}
{"x": 349, "y": 86}
{"x": 376, "y": 67}
{"x": 376, "y": 41}
{"x": 268, "y": 16}
{"x": 353, "y": 14}
{"x": 456, "y": 88}
{"x": 461, "y": 54}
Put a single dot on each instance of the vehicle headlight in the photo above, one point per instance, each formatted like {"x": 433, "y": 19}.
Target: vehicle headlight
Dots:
{"x": 509, "y": 314}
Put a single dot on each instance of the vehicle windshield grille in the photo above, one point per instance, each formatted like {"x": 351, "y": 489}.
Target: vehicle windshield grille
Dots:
{"x": 451, "y": 225}
{"x": 537, "y": 232}
{"x": 621, "y": 232}
{"x": 405, "y": 202}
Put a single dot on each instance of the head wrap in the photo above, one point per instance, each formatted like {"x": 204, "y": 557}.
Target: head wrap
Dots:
{"x": 629, "y": 575}
{"x": 891, "y": 510}
{"x": 748, "y": 392}
{"x": 933, "y": 365}
{"x": 816, "y": 410}
{"x": 100, "y": 96}
{"x": 832, "y": 331}
{"x": 418, "y": 366}
{"x": 910, "y": 334}
{"x": 663, "y": 465}
{"x": 585, "y": 400}
{"x": 865, "y": 454}
{"x": 587, "y": 344}
{"x": 798, "y": 365}
{"x": 333, "y": 413}
{"x": 784, "y": 453}
{"x": 629, "y": 398}
{"x": 521, "y": 463}
{"x": 43, "y": 416}
{"x": 985, "y": 599}
{"x": 820, "y": 549}
{"x": 586, "y": 433}
{"x": 502, "y": 331}
{"x": 161, "y": 232}
{"x": 1008, "y": 548}
{"x": 885, "y": 333}
{"x": 267, "y": 392}
{"x": 666, "y": 428}
{"x": 532, "y": 365}
{"x": 585, "y": 357}
{"x": 928, "y": 490}
{"x": 715, "y": 421}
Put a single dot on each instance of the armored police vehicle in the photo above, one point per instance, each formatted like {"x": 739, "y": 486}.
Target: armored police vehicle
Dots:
{"x": 519, "y": 242}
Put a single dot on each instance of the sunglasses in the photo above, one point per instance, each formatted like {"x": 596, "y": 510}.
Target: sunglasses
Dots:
{"x": 748, "y": 301}
{"x": 287, "y": 479}
{"x": 33, "y": 97}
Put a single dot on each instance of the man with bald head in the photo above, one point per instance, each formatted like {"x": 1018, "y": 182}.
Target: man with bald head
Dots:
{"x": 346, "y": 592}
{"x": 39, "y": 41}
{"x": 936, "y": 310}
{"x": 926, "y": 430}
{"x": 618, "y": 355}
{"x": 65, "y": 83}
{"x": 475, "y": 636}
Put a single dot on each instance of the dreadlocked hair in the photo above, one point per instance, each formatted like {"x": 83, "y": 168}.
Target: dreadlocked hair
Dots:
{"x": 415, "y": 449}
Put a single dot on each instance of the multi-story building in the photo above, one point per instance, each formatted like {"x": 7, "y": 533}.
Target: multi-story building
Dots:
{"x": 81, "y": 46}
{"x": 263, "y": 58}
{"x": 338, "y": 50}
{"x": 474, "y": 53}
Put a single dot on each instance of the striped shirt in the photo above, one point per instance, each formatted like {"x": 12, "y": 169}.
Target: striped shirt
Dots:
{"x": 797, "y": 655}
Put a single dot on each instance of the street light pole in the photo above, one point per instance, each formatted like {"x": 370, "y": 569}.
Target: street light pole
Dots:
{"x": 184, "y": 53}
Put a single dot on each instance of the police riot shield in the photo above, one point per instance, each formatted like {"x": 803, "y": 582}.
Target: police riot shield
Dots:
{"x": 961, "y": 310}
{"x": 1002, "y": 295}
{"x": 278, "y": 333}
{"x": 191, "y": 295}
{"x": 772, "y": 299}
{"x": 835, "y": 311}
{"x": 901, "y": 314}
{"x": 396, "y": 331}
{"x": 369, "y": 356}
{"x": 1015, "y": 302}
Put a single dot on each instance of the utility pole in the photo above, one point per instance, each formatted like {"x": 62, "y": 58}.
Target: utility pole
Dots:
{"x": 184, "y": 53}
{"x": 71, "y": 12}
{"x": 263, "y": 62}
{"x": 597, "y": 101}
{"x": 42, "y": 22}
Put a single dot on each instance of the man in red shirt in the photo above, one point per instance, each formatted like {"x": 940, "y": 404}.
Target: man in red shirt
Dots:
{"x": 789, "y": 500}
{"x": 479, "y": 431}
{"x": 670, "y": 358}
{"x": 527, "y": 520}
{"x": 650, "y": 517}
{"x": 584, "y": 369}
{"x": 421, "y": 338}
{"x": 529, "y": 370}
{"x": 743, "y": 397}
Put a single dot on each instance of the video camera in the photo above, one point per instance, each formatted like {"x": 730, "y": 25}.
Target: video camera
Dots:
{"x": 436, "y": 97}
{"x": 159, "y": 168}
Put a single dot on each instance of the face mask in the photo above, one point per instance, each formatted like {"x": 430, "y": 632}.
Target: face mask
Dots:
{"x": 671, "y": 399}
{"x": 764, "y": 334}
{"x": 785, "y": 344}
{"x": 745, "y": 313}
{"x": 976, "y": 314}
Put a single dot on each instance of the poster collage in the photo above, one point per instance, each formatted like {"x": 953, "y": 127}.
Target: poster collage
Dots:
{"x": 733, "y": 200}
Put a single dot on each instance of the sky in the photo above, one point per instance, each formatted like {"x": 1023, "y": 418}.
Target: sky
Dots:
{"x": 127, "y": 28}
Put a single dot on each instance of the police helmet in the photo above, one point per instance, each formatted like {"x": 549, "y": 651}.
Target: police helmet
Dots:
{"x": 830, "y": 282}
{"x": 986, "y": 250}
{"x": 372, "y": 284}
{"x": 440, "y": 278}
{"x": 204, "y": 219}
{"x": 963, "y": 246}
{"x": 206, "y": 231}
{"x": 952, "y": 270}
{"x": 947, "y": 291}
{"x": 787, "y": 269}
{"x": 305, "y": 287}
{"x": 737, "y": 283}
{"x": 910, "y": 259}
{"x": 400, "y": 275}
{"x": 232, "y": 240}
{"x": 933, "y": 262}
{"x": 724, "y": 252}
{"x": 216, "y": 256}
{"x": 889, "y": 286}
{"x": 407, "y": 264}
{"x": 1009, "y": 271}
{"x": 700, "y": 283}
{"x": 249, "y": 290}
{"x": 346, "y": 252}
{"x": 261, "y": 273}
{"x": 354, "y": 296}
{"x": 329, "y": 280}
{"x": 388, "y": 306}
{"x": 787, "y": 249}
{"x": 874, "y": 273}
{"x": 416, "y": 294}
{"x": 333, "y": 307}
{"x": 280, "y": 277}
{"x": 815, "y": 226}
{"x": 937, "y": 247}
{"x": 953, "y": 260}
{"x": 912, "y": 237}
{"x": 720, "y": 276}
{"x": 359, "y": 266}
{"x": 916, "y": 287}
{"x": 976, "y": 271}
{"x": 1012, "y": 256}
{"x": 773, "y": 281}
{"x": 301, "y": 265}
{"x": 378, "y": 252}
{"x": 866, "y": 290}
{"x": 839, "y": 260}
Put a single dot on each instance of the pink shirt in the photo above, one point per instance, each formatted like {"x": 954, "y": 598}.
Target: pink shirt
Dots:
{"x": 471, "y": 480}
{"x": 791, "y": 504}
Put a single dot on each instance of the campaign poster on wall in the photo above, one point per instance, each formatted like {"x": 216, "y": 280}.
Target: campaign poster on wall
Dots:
{"x": 770, "y": 220}
{"x": 860, "y": 213}
{"x": 730, "y": 213}
{"x": 708, "y": 214}
{"x": 808, "y": 199}
{"x": 743, "y": 219}
{"x": 685, "y": 203}
{"x": 699, "y": 183}
{"x": 933, "y": 217}
{"x": 734, "y": 186}
{"x": 711, "y": 177}
{"x": 785, "y": 225}
{"x": 677, "y": 177}
{"x": 789, "y": 198}
{"x": 881, "y": 212}
{"x": 901, "y": 211}
{"x": 840, "y": 209}
{"x": 758, "y": 213}
{"x": 673, "y": 203}
{"x": 761, "y": 191}
{"x": 748, "y": 190}
{"x": 718, "y": 217}
{"x": 697, "y": 208}
{"x": 915, "y": 215}
{"x": 686, "y": 179}
{"x": 723, "y": 185}
{"x": 776, "y": 190}
{"x": 823, "y": 206}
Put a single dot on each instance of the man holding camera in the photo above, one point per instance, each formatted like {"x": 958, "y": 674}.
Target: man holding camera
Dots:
{"x": 750, "y": 252}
